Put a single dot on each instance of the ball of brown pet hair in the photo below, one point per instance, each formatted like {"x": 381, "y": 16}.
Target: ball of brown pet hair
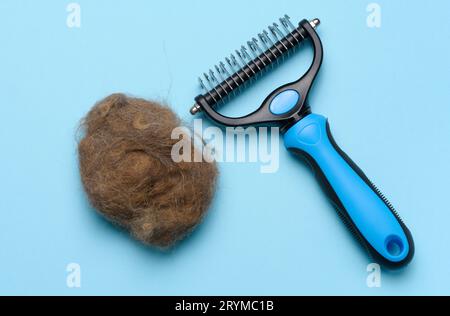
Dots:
{"x": 129, "y": 175}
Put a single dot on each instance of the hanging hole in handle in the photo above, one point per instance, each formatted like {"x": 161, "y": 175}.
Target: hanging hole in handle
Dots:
{"x": 394, "y": 246}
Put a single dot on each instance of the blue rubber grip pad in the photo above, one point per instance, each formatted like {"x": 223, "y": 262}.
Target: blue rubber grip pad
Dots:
{"x": 284, "y": 102}
{"x": 369, "y": 214}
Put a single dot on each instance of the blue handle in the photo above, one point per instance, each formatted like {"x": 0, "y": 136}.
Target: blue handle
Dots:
{"x": 367, "y": 212}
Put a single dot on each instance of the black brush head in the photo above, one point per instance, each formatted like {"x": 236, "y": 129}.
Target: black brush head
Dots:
{"x": 262, "y": 52}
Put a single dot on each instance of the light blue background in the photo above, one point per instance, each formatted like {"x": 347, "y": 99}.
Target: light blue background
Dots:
{"x": 386, "y": 92}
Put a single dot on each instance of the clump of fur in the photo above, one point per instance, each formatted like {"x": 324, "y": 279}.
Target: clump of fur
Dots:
{"x": 129, "y": 175}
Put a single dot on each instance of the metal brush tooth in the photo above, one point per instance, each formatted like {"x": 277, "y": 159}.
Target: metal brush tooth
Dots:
{"x": 267, "y": 49}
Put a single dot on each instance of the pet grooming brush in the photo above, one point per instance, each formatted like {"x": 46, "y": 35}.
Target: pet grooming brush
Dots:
{"x": 363, "y": 208}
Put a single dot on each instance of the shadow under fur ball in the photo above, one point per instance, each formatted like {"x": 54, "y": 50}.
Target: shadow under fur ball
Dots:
{"x": 129, "y": 175}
